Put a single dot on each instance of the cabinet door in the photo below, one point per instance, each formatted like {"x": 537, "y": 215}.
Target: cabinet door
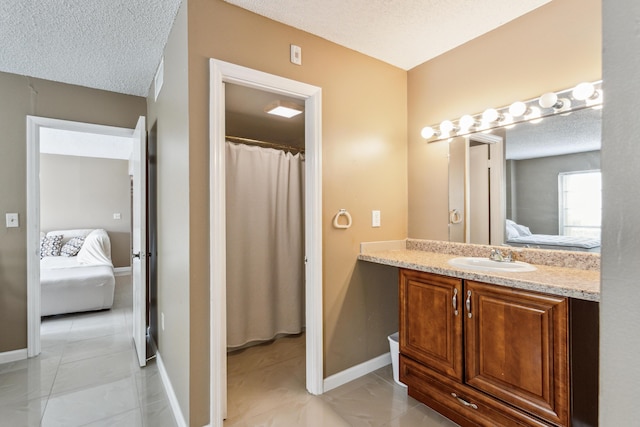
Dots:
{"x": 431, "y": 321}
{"x": 516, "y": 349}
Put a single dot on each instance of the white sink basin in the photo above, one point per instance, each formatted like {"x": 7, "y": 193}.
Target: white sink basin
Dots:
{"x": 485, "y": 264}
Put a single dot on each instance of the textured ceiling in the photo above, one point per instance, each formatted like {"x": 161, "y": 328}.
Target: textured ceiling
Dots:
{"x": 561, "y": 134}
{"x": 116, "y": 45}
{"x": 404, "y": 33}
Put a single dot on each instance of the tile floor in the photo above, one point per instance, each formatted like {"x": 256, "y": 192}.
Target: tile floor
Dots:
{"x": 86, "y": 375}
{"x": 266, "y": 387}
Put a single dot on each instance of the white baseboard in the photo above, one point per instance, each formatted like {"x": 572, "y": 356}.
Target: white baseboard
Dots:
{"x": 173, "y": 399}
{"x": 12, "y": 356}
{"x": 355, "y": 372}
{"x": 122, "y": 271}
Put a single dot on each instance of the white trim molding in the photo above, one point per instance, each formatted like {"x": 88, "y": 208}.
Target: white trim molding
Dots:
{"x": 12, "y": 356}
{"x": 34, "y": 126}
{"x": 355, "y": 372}
{"x": 33, "y": 233}
{"x": 171, "y": 394}
{"x": 220, "y": 73}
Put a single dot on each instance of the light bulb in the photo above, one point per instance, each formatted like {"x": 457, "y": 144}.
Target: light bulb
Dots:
{"x": 548, "y": 100}
{"x": 428, "y": 132}
{"x": 507, "y": 121}
{"x": 565, "y": 105}
{"x": 533, "y": 115}
{"x": 446, "y": 126}
{"x": 518, "y": 109}
{"x": 467, "y": 122}
{"x": 584, "y": 91}
{"x": 490, "y": 115}
{"x": 551, "y": 100}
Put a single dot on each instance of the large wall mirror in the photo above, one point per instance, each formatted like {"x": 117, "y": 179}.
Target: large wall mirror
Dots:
{"x": 533, "y": 184}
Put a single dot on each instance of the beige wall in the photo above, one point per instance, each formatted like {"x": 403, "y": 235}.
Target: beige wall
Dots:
{"x": 364, "y": 168}
{"x": 22, "y": 96}
{"x": 551, "y": 48}
{"x": 85, "y": 192}
{"x": 172, "y": 116}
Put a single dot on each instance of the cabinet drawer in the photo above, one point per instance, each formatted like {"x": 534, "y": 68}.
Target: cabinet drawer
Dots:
{"x": 458, "y": 402}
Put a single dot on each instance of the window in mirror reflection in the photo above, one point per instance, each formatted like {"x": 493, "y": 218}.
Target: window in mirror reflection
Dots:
{"x": 580, "y": 203}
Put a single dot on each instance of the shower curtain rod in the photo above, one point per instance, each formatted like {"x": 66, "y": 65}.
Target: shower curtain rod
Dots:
{"x": 250, "y": 141}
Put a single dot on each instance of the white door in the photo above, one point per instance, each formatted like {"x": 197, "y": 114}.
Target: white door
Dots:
{"x": 139, "y": 240}
{"x": 479, "y": 195}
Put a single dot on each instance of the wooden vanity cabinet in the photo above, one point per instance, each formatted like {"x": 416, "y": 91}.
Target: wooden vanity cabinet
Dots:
{"x": 483, "y": 354}
{"x": 516, "y": 348}
{"x": 430, "y": 313}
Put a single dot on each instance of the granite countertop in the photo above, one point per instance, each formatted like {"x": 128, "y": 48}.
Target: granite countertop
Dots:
{"x": 580, "y": 283}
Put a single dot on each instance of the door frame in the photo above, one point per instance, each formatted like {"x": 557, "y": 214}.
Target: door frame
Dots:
{"x": 138, "y": 169}
{"x": 220, "y": 73}
{"x": 34, "y": 125}
{"x": 497, "y": 188}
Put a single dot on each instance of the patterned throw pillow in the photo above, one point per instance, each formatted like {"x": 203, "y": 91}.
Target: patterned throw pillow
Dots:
{"x": 51, "y": 245}
{"x": 72, "y": 247}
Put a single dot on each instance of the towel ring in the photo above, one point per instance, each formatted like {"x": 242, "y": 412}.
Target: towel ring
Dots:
{"x": 455, "y": 217}
{"x": 344, "y": 213}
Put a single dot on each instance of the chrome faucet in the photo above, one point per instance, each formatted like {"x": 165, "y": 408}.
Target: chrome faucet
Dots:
{"x": 496, "y": 255}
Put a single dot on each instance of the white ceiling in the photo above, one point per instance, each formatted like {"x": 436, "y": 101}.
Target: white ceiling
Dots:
{"x": 84, "y": 144}
{"x": 116, "y": 45}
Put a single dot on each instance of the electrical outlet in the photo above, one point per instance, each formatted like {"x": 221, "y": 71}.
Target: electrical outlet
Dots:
{"x": 162, "y": 321}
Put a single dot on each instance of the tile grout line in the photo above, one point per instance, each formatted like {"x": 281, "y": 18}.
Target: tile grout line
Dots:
{"x": 118, "y": 314}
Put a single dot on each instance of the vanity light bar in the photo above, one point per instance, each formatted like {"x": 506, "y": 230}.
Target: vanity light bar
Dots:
{"x": 584, "y": 95}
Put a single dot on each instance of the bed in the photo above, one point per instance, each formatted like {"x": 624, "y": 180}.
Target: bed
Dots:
{"x": 76, "y": 272}
{"x": 520, "y": 235}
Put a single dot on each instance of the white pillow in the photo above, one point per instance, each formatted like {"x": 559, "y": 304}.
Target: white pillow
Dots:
{"x": 523, "y": 230}
{"x": 512, "y": 233}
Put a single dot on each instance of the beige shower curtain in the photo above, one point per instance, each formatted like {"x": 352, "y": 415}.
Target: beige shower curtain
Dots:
{"x": 265, "y": 249}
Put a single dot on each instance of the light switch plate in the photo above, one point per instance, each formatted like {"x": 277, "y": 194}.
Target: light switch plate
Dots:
{"x": 12, "y": 220}
{"x": 296, "y": 54}
{"x": 375, "y": 218}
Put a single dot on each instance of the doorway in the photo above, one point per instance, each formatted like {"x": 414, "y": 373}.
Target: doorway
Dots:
{"x": 265, "y": 257}
{"x": 38, "y": 129}
{"x": 476, "y": 191}
{"x": 221, "y": 73}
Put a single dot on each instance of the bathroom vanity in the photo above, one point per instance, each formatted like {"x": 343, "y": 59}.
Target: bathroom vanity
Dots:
{"x": 497, "y": 348}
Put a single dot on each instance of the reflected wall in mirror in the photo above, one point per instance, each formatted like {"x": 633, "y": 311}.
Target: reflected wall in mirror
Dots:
{"x": 543, "y": 193}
